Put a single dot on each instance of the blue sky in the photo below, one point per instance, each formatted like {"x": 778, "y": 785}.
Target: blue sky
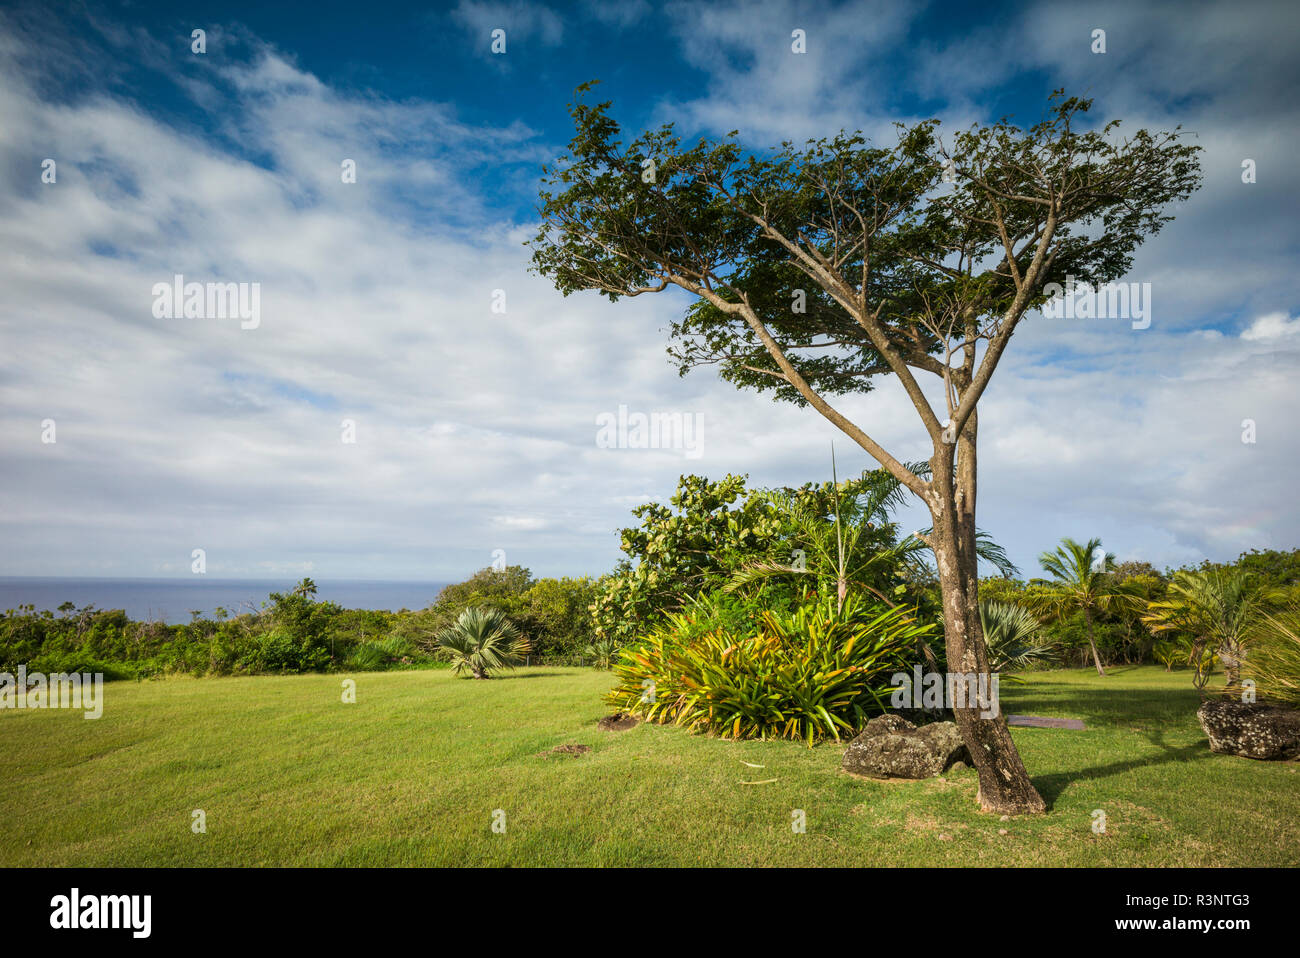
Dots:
{"x": 475, "y": 429}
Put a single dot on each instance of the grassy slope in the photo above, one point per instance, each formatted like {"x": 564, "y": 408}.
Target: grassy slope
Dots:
{"x": 410, "y": 775}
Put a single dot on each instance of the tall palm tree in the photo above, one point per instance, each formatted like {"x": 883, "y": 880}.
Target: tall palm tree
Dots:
{"x": 1081, "y": 582}
{"x": 1218, "y": 608}
{"x": 482, "y": 640}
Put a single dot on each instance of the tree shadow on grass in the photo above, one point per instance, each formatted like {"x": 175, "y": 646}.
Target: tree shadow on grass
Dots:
{"x": 1168, "y": 707}
{"x": 516, "y": 676}
{"x": 1051, "y": 786}
{"x": 1151, "y": 713}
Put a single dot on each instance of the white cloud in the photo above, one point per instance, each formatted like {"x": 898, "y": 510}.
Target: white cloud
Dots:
{"x": 522, "y": 21}
{"x": 1272, "y": 326}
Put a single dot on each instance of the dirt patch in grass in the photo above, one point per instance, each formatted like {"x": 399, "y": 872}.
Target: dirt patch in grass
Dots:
{"x": 566, "y": 750}
{"x": 618, "y": 722}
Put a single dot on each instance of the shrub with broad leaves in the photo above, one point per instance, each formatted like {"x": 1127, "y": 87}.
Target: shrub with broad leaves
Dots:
{"x": 814, "y": 674}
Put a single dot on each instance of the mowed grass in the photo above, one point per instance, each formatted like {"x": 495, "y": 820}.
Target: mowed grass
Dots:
{"x": 412, "y": 773}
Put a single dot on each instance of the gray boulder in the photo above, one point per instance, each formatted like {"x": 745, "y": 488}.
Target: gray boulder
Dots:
{"x": 892, "y": 747}
{"x": 1253, "y": 730}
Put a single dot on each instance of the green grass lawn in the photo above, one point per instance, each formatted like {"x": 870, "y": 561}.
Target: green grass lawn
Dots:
{"x": 411, "y": 774}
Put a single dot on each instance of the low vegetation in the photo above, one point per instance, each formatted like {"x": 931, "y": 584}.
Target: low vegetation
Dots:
{"x": 819, "y": 672}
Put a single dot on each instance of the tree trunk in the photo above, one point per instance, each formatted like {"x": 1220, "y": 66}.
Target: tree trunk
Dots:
{"x": 1092, "y": 644}
{"x": 1005, "y": 787}
{"x": 1231, "y": 662}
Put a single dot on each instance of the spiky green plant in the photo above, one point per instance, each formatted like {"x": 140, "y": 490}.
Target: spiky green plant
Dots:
{"x": 852, "y": 545}
{"x": 1171, "y": 652}
{"x": 602, "y": 652}
{"x": 813, "y": 674}
{"x": 483, "y": 640}
{"x": 855, "y": 545}
{"x": 1274, "y": 660}
{"x": 1010, "y": 631}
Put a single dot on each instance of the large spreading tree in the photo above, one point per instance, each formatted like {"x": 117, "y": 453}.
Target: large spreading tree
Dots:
{"x": 818, "y": 268}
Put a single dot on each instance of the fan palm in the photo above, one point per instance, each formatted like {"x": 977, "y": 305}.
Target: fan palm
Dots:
{"x": 482, "y": 640}
{"x": 1082, "y": 582}
{"x": 1009, "y": 632}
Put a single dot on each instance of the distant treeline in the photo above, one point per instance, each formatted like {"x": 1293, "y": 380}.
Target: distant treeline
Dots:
{"x": 294, "y": 632}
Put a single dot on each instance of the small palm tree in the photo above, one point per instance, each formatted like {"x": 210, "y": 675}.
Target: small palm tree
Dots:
{"x": 1010, "y": 632}
{"x": 1274, "y": 661}
{"x": 602, "y": 652}
{"x": 854, "y": 545}
{"x": 1218, "y": 609}
{"x": 1083, "y": 582}
{"x": 1169, "y": 653}
{"x": 482, "y": 640}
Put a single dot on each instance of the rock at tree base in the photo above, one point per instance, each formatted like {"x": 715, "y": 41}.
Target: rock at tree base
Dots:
{"x": 892, "y": 747}
{"x": 1251, "y": 730}
{"x": 924, "y": 716}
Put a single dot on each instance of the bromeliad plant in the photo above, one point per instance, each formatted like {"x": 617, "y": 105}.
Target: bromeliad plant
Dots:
{"x": 808, "y": 675}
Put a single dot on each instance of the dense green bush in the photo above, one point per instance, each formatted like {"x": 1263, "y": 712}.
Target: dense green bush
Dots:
{"x": 720, "y": 533}
{"x": 54, "y": 663}
{"x": 807, "y": 675}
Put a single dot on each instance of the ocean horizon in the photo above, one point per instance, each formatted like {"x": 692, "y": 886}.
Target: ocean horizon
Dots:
{"x": 171, "y": 600}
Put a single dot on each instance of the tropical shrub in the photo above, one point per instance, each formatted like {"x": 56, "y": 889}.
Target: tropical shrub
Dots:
{"x": 1274, "y": 660}
{"x": 1013, "y": 636}
{"x": 677, "y": 553}
{"x": 555, "y": 614}
{"x": 1217, "y": 609}
{"x": 1083, "y": 583}
{"x": 817, "y": 539}
{"x": 481, "y": 641}
{"x": 280, "y": 651}
{"x": 601, "y": 653}
{"x": 1171, "y": 652}
{"x": 807, "y": 675}
{"x": 392, "y": 652}
{"x": 852, "y": 544}
{"x": 54, "y": 663}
